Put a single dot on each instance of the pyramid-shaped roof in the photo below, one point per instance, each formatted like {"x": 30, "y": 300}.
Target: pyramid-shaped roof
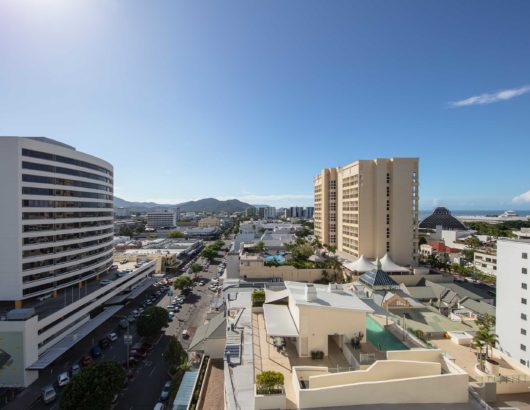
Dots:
{"x": 378, "y": 279}
{"x": 442, "y": 217}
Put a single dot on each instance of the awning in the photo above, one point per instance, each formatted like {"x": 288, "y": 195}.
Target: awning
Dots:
{"x": 69, "y": 341}
{"x": 275, "y": 295}
{"x": 278, "y": 321}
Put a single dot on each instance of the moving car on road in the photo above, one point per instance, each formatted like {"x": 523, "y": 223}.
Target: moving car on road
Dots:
{"x": 165, "y": 392}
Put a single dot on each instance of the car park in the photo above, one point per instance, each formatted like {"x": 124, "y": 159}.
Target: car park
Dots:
{"x": 164, "y": 395}
{"x": 63, "y": 379}
{"x": 48, "y": 394}
{"x": 112, "y": 336}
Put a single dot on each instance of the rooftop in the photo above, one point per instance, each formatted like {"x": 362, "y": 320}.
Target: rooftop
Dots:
{"x": 442, "y": 217}
{"x": 326, "y": 297}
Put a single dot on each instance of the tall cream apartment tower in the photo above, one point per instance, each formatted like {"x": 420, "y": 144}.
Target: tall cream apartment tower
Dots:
{"x": 369, "y": 207}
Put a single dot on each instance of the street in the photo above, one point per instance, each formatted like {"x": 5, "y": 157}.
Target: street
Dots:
{"x": 143, "y": 390}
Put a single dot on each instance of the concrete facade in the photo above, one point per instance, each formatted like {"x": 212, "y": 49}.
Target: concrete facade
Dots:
{"x": 370, "y": 207}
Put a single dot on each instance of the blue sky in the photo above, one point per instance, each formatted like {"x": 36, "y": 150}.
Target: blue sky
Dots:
{"x": 250, "y": 99}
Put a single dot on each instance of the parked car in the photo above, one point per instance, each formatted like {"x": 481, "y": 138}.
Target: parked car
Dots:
{"x": 87, "y": 360}
{"x": 104, "y": 282}
{"x": 112, "y": 336}
{"x": 131, "y": 318}
{"x": 48, "y": 394}
{"x": 124, "y": 324}
{"x": 185, "y": 334}
{"x": 75, "y": 369}
{"x": 95, "y": 352}
{"x": 124, "y": 261}
{"x": 136, "y": 313}
{"x": 138, "y": 353}
{"x": 165, "y": 391}
{"x": 170, "y": 317}
{"x": 104, "y": 343}
{"x": 44, "y": 297}
{"x": 63, "y": 379}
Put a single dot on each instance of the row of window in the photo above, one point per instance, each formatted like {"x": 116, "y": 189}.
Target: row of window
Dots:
{"x": 65, "y": 248}
{"x": 59, "y": 158}
{"x": 65, "y": 193}
{"x": 64, "y": 259}
{"x": 64, "y": 215}
{"x": 66, "y": 182}
{"x": 59, "y": 282}
{"x": 65, "y": 237}
{"x": 59, "y": 227}
{"x": 43, "y": 203}
{"x": 61, "y": 170}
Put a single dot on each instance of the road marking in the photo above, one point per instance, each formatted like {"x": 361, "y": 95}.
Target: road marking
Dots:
{"x": 151, "y": 372}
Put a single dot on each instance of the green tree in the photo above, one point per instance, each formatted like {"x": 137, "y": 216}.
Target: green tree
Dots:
{"x": 94, "y": 387}
{"x": 182, "y": 282}
{"x": 196, "y": 268}
{"x": 422, "y": 241}
{"x": 472, "y": 242}
{"x": 303, "y": 252}
{"x": 174, "y": 354}
{"x": 258, "y": 298}
{"x": 176, "y": 235}
{"x": 260, "y": 246}
{"x": 151, "y": 321}
{"x": 269, "y": 382}
{"x": 209, "y": 253}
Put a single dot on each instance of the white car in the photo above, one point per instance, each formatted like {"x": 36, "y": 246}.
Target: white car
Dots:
{"x": 105, "y": 282}
{"x": 113, "y": 337}
{"x": 136, "y": 313}
{"x": 48, "y": 394}
{"x": 63, "y": 379}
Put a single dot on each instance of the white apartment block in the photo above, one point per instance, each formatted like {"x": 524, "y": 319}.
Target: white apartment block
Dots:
{"x": 162, "y": 219}
{"x": 486, "y": 263}
{"x": 56, "y": 249}
{"x": 370, "y": 208}
{"x": 57, "y": 217}
{"x": 513, "y": 314}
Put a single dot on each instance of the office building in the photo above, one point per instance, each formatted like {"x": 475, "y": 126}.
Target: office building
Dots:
{"x": 370, "y": 208}
{"x": 269, "y": 212}
{"x": 513, "y": 314}
{"x": 58, "y": 283}
{"x": 162, "y": 219}
{"x": 309, "y": 212}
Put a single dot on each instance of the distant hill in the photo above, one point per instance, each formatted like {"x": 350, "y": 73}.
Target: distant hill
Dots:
{"x": 204, "y": 205}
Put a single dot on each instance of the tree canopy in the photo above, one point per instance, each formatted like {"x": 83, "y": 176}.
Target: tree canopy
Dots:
{"x": 151, "y": 321}
{"x": 94, "y": 387}
{"x": 195, "y": 268}
{"x": 176, "y": 234}
{"x": 182, "y": 282}
{"x": 269, "y": 381}
{"x": 209, "y": 253}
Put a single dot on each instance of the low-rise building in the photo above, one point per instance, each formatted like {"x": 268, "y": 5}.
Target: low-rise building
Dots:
{"x": 209, "y": 221}
{"x": 486, "y": 262}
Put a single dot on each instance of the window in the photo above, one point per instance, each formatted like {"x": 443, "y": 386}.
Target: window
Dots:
{"x": 524, "y": 271}
{"x": 524, "y": 286}
{"x": 522, "y": 361}
{"x": 523, "y": 316}
{"x": 523, "y": 348}
{"x": 525, "y": 255}
{"x": 523, "y": 331}
{"x": 523, "y": 301}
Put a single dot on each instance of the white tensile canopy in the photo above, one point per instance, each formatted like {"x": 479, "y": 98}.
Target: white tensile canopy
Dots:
{"x": 362, "y": 264}
{"x": 388, "y": 265}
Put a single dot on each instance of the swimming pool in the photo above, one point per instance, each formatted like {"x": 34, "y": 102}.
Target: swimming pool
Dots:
{"x": 278, "y": 258}
{"x": 381, "y": 338}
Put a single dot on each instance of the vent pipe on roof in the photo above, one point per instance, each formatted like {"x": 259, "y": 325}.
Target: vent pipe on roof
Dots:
{"x": 310, "y": 292}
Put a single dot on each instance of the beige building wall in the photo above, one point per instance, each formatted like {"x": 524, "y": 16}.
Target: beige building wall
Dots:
{"x": 377, "y": 209}
{"x": 316, "y": 324}
{"x": 326, "y": 206}
{"x": 209, "y": 221}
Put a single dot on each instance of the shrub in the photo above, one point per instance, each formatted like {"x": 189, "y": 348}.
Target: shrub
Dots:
{"x": 269, "y": 382}
{"x": 258, "y": 298}
{"x": 317, "y": 354}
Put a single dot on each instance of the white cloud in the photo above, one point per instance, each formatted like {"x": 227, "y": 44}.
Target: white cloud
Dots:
{"x": 524, "y": 197}
{"x": 490, "y": 98}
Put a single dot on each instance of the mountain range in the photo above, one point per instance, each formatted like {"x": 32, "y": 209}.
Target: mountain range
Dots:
{"x": 204, "y": 205}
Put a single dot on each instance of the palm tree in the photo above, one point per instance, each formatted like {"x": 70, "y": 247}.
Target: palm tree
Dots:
{"x": 479, "y": 344}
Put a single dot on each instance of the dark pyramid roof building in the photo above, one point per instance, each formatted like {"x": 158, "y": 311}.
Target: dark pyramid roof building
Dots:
{"x": 442, "y": 217}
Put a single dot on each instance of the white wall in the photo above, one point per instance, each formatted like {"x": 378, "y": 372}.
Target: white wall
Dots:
{"x": 509, "y": 295}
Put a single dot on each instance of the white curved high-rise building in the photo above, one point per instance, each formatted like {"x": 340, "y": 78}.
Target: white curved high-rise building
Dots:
{"x": 56, "y": 217}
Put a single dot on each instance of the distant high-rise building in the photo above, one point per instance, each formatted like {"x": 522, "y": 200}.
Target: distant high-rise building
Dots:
{"x": 162, "y": 219}
{"x": 370, "y": 208}
{"x": 309, "y": 212}
{"x": 513, "y": 295}
{"x": 269, "y": 212}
